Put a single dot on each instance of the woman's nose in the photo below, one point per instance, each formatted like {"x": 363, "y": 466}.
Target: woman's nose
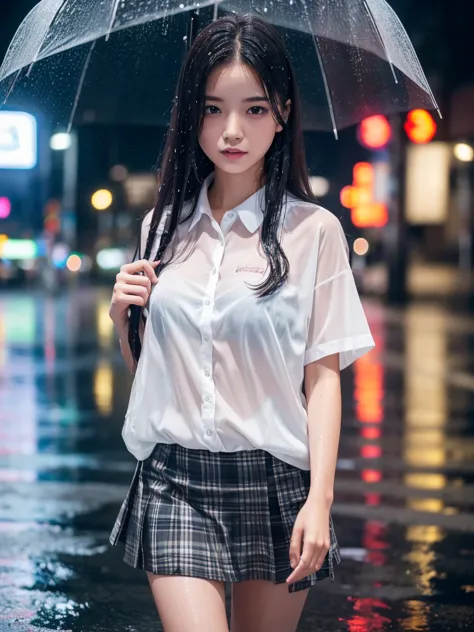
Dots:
{"x": 233, "y": 127}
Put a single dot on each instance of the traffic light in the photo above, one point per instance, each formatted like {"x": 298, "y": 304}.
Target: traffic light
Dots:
{"x": 420, "y": 127}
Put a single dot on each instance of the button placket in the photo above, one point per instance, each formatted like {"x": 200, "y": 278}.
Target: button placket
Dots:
{"x": 208, "y": 391}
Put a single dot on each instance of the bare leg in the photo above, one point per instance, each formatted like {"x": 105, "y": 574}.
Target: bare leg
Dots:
{"x": 189, "y": 604}
{"x": 261, "y": 606}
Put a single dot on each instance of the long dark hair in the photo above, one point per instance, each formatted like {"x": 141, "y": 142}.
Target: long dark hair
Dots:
{"x": 184, "y": 166}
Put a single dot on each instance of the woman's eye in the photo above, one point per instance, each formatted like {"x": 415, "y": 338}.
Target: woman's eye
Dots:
{"x": 255, "y": 107}
{"x": 259, "y": 107}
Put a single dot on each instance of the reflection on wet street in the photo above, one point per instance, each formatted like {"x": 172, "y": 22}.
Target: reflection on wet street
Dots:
{"x": 404, "y": 493}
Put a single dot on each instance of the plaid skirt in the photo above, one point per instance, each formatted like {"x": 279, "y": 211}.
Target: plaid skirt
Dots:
{"x": 225, "y": 516}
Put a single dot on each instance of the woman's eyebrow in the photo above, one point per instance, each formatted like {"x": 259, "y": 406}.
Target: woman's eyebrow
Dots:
{"x": 248, "y": 100}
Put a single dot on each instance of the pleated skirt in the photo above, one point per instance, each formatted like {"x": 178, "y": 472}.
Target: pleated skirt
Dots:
{"x": 225, "y": 516}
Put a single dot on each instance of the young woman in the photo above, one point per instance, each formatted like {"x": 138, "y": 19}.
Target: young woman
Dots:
{"x": 235, "y": 409}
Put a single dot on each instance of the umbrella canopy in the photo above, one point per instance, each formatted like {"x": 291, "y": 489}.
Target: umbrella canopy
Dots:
{"x": 118, "y": 61}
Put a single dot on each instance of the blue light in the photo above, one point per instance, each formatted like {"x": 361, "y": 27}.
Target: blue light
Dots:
{"x": 18, "y": 140}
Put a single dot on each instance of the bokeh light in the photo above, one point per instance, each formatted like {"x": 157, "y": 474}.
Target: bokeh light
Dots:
{"x": 464, "y": 152}
{"x": 74, "y": 263}
{"x": 361, "y": 246}
{"x": 5, "y": 207}
{"x": 102, "y": 199}
{"x": 375, "y": 132}
{"x": 118, "y": 173}
{"x": 60, "y": 142}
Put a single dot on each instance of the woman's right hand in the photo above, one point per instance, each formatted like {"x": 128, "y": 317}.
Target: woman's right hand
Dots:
{"x": 133, "y": 286}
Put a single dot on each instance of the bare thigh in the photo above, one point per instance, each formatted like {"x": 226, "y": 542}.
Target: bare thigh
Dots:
{"x": 261, "y": 606}
{"x": 189, "y": 604}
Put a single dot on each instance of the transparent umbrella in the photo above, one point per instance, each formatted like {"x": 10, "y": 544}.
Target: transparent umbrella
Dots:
{"x": 118, "y": 61}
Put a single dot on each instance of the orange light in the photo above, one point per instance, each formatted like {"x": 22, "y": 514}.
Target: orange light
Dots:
{"x": 363, "y": 173}
{"x": 365, "y": 213}
{"x": 371, "y": 476}
{"x": 373, "y": 215}
{"x": 369, "y": 392}
{"x": 374, "y": 132}
{"x": 420, "y": 127}
{"x": 347, "y": 197}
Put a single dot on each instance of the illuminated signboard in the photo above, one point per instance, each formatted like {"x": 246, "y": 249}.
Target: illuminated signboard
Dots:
{"x": 18, "y": 142}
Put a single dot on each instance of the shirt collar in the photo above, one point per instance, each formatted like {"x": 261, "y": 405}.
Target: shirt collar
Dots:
{"x": 250, "y": 211}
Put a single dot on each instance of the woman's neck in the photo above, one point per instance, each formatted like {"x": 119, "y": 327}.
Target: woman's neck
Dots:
{"x": 227, "y": 191}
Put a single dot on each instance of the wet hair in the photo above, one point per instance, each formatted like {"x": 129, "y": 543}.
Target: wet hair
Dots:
{"x": 247, "y": 39}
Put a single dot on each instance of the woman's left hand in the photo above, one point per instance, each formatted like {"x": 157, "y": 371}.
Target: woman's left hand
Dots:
{"x": 311, "y": 529}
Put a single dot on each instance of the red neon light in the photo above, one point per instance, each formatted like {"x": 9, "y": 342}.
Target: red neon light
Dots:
{"x": 372, "y": 499}
{"x": 370, "y": 432}
{"x": 371, "y": 451}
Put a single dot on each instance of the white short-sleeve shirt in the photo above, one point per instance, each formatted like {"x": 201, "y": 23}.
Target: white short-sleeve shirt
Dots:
{"x": 220, "y": 368}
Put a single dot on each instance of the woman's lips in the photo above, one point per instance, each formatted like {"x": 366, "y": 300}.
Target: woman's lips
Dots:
{"x": 234, "y": 154}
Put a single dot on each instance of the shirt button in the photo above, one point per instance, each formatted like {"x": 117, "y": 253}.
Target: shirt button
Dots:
{"x": 208, "y": 398}
{"x": 231, "y": 215}
{"x": 206, "y": 373}
{"x": 214, "y": 270}
{"x": 209, "y": 433}
{"x": 207, "y": 301}
{"x": 206, "y": 339}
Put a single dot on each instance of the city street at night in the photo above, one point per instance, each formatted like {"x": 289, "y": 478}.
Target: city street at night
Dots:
{"x": 156, "y": 159}
{"x": 404, "y": 485}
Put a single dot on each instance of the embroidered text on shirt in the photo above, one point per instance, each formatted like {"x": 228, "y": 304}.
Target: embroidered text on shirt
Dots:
{"x": 249, "y": 269}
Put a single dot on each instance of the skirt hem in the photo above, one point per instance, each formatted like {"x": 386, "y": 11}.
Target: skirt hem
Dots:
{"x": 301, "y": 584}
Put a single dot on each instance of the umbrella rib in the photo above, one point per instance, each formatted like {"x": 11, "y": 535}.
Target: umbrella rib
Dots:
{"x": 10, "y": 89}
{"x": 114, "y": 15}
{"x": 379, "y": 34}
{"x": 81, "y": 83}
{"x": 326, "y": 87}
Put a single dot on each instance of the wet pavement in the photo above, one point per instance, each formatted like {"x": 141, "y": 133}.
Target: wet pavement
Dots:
{"x": 404, "y": 494}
